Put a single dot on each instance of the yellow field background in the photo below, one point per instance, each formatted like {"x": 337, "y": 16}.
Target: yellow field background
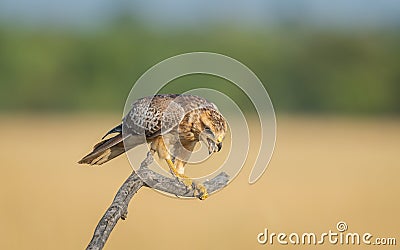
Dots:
{"x": 324, "y": 170}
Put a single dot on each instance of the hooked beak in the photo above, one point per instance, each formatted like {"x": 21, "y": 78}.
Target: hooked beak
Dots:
{"x": 219, "y": 145}
{"x": 213, "y": 147}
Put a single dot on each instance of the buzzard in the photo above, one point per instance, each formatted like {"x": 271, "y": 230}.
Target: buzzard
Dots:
{"x": 172, "y": 124}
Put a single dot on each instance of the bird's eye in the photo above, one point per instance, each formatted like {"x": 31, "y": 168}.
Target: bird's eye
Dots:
{"x": 208, "y": 130}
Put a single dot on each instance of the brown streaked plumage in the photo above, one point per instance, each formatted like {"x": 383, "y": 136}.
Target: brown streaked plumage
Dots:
{"x": 172, "y": 124}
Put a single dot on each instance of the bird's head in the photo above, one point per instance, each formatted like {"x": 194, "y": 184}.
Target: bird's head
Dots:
{"x": 213, "y": 129}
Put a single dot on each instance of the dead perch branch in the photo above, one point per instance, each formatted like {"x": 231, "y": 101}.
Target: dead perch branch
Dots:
{"x": 119, "y": 207}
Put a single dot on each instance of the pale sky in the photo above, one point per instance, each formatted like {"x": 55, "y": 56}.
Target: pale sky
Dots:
{"x": 184, "y": 12}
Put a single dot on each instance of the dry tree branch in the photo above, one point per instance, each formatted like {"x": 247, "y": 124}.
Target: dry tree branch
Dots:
{"x": 119, "y": 207}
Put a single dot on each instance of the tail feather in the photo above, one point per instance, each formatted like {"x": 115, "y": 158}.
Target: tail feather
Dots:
{"x": 117, "y": 129}
{"x": 104, "y": 151}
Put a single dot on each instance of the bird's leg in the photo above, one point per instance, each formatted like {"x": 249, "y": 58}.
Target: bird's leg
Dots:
{"x": 178, "y": 172}
{"x": 185, "y": 180}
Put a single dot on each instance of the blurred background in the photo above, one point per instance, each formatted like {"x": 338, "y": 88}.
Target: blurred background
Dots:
{"x": 331, "y": 69}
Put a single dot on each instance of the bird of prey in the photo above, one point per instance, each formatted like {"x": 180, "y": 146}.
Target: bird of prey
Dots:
{"x": 172, "y": 124}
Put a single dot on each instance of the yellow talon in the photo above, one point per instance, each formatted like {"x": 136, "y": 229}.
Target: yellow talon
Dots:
{"x": 202, "y": 191}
